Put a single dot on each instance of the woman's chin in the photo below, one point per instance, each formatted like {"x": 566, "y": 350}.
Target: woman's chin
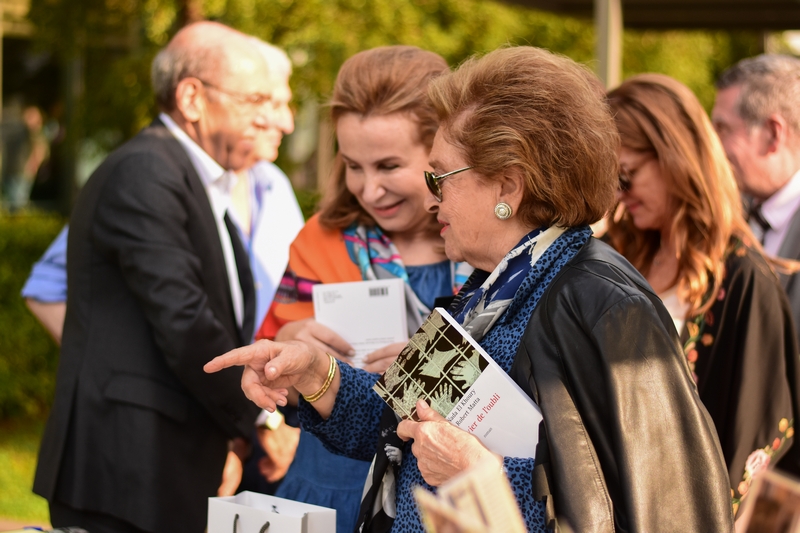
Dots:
{"x": 453, "y": 253}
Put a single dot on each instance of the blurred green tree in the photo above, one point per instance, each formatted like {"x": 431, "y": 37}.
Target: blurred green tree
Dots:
{"x": 116, "y": 40}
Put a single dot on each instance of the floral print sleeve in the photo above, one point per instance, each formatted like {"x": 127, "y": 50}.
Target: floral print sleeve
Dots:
{"x": 353, "y": 427}
{"x": 759, "y": 460}
{"x": 742, "y": 353}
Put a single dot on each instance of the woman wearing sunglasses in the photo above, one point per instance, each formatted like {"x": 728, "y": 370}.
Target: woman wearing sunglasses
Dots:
{"x": 524, "y": 159}
{"x": 683, "y": 227}
{"x": 372, "y": 224}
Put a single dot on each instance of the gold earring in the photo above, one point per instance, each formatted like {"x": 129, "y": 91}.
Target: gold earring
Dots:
{"x": 503, "y": 211}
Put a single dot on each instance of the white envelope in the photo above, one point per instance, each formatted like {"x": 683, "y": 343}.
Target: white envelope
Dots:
{"x": 250, "y": 512}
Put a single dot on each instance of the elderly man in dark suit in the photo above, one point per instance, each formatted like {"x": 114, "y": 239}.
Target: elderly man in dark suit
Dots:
{"x": 158, "y": 284}
{"x": 757, "y": 117}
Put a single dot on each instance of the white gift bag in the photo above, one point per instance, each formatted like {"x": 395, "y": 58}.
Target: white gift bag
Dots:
{"x": 250, "y": 512}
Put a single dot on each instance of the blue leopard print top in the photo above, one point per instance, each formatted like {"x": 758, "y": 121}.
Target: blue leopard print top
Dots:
{"x": 354, "y": 425}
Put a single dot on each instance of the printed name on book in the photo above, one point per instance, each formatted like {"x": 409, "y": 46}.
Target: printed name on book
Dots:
{"x": 470, "y": 402}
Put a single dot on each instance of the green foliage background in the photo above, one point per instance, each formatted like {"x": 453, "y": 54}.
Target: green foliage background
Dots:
{"x": 118, "y": 38}
{"x": 28, "y": 356}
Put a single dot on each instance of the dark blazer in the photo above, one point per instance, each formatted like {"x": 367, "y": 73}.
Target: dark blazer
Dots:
{"x": 745, "y": 358}
{"x": 138, "y": 430}
{"x": 625, "y": 445}
{"x": 790, "y": 249}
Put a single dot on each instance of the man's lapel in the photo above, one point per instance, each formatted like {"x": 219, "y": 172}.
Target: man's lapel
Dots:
{"x": 790, "y": 247}
{"x": 219, "y": 293}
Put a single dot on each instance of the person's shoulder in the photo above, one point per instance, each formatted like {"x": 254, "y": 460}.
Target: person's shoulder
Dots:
{"x": 268, "y": 171}
{"x": 315, "y": 231}
{"x": 745, "y": 264}
{"x": 598, "y": 269}
{"x": 152, "y": 154}
{"x": 320, "y": 253}
{"x": 152, "y": 146}
{"x": 596, "y": 280}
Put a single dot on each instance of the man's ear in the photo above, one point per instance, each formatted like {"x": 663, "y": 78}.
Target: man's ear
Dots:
{"x": 776, "y": 132}
{"x": 189, "y": 99}
{"x": 512, "y": 187}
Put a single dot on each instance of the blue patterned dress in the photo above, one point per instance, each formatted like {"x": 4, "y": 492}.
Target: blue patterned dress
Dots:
{"x": 354, "y": 424}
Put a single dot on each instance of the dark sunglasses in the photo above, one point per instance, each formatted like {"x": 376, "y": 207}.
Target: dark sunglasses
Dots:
{"x": 626, "y": 175}
{"x": 434, "y": 182}
{"x": 625, "y": 180}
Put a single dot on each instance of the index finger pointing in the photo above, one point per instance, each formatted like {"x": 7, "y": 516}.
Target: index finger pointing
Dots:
{"x": 259, "y": 353}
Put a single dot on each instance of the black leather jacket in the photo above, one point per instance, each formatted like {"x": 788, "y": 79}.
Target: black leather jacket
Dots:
{"x": 625, "y": 444}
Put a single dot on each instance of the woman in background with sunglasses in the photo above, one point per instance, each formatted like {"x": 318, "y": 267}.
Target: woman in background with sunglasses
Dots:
{"x": 372, "y": 225}
{"x": 682, "y": 225}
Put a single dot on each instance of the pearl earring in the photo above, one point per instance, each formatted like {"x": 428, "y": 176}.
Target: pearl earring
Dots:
{"x": 502, "y": 211}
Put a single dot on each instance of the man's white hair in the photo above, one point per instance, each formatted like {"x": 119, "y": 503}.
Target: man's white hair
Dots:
{"x": 770, "y": 84}
{"x": 278, "y": 62}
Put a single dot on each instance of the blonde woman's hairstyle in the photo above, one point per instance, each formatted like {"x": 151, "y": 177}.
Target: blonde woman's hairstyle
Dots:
{"x": 527, "y": 110}
{"x": 660, "y": 116}
{"x": 377, "y": 82}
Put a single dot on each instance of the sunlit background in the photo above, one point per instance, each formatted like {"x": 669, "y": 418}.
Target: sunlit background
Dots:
{"x": 75, "y": 84}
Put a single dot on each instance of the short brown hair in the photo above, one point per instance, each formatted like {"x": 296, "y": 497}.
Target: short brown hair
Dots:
{"x": 380, "y": 81}
{"x": 528, "y": 108}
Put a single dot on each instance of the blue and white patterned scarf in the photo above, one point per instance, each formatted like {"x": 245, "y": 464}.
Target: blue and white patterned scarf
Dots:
{"x": 479, "y": 308}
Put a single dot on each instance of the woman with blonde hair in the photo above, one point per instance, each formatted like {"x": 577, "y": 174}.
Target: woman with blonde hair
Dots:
{"x": 681, "y": 223}
{"x": 372, "y": 225}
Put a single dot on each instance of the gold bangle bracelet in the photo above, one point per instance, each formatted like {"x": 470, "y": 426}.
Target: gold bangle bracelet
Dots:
{"x": 325, "y": 386}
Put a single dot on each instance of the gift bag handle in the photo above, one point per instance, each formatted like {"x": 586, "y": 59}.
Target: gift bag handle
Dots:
{"x": 263, "y": 529}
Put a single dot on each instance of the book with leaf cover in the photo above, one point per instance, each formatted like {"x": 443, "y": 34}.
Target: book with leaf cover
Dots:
{"x": 443, "y": 365}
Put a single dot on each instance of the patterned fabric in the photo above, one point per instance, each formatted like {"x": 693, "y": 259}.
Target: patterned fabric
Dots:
{"x": 743, "y": 356}
{"x": 481, "y": 307}
{"x": 355, "y": 423}
{"x": 294, "y": 289}
{"x": 321, "y": 255}
{"x": 377, "y": 258}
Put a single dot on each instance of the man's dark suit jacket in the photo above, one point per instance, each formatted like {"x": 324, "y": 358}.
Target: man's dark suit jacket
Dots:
{"x": 138, "y": 430}
{"x": 790, "y": 249}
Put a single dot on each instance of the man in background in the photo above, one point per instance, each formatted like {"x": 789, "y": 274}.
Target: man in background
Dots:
{"x": 263, "y": 207}
{"x": 158, "y": 283}
{"x": 757, "y": 117}
{"x": 265, "y": 210}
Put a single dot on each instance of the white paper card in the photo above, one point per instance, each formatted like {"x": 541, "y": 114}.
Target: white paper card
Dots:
{"x": 367, "y": 314}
